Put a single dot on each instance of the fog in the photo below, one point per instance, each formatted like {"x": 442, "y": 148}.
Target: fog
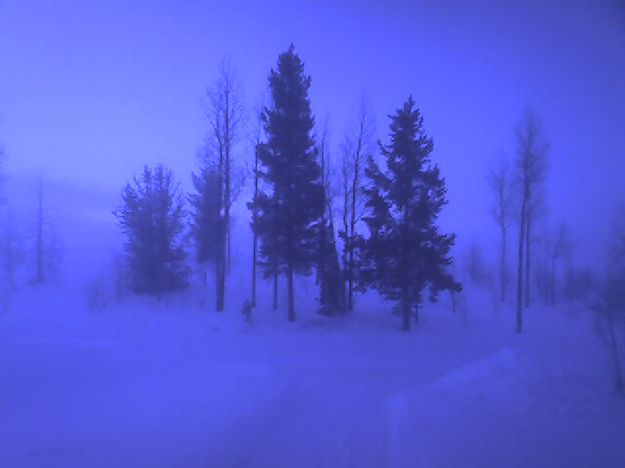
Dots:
{"x": 91, "y": 92}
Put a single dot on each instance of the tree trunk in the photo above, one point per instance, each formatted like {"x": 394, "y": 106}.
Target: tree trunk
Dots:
{"x": 528, "y": 243}
{"x": 227, "y": 187}
{"x": 519, "y": 290}
{"x": 275, "y": 289}
{"x": 350, "y": 291}
{"x": 291, "y": 296}
{"x": 220, "y": 283}
{"x": 352, "y": 223}
{"x": 220, "y": 269}
{"x": 350, "y": 273}
{"x": 228, "y": 246}
{"x": 254, "y": 261}
{"x": 346, "y": 241}
{"x": 552, "y": 286}
{"x": 618, "y": 372}
{"x": 220, "y": 277}
{"x": 323, "y": 254}
{"x": 503, "y": 263}
{"x": 255, "y": 237}
{"x": 321, "y": 265}
{"x": 323, "y": 259}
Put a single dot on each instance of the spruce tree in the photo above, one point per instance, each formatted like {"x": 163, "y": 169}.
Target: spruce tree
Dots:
{"x": 288, "y": 211}
{"x": 531, "y": 168}
{"x": 405, "y": 253}
{"x": 152, "y": 218}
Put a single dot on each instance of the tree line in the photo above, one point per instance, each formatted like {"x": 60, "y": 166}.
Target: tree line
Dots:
{"x": 382, "y": 235}
{"x": 365, "y": 220}
{"x": 388, "y": 231}
{"x": 518, "y": 189}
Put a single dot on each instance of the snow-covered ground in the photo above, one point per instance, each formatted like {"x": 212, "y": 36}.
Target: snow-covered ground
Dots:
{"x": 172, "y": 384}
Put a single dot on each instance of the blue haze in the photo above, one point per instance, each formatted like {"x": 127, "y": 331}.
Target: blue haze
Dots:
{"x": 92, "y": 90}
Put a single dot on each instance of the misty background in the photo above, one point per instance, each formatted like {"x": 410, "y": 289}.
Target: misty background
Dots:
{"x": 101, "y": 367}
{"x": 93, "y": 90}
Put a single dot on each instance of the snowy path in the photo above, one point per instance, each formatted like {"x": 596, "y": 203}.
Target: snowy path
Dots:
{"x": 196, "y": 391}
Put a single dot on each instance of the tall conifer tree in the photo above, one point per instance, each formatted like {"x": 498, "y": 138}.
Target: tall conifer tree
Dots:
{"x": 405, "y": 253}
{"x": 289, "y": 210}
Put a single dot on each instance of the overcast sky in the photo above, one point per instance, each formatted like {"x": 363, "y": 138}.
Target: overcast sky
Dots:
{"x": 92, "y": 90}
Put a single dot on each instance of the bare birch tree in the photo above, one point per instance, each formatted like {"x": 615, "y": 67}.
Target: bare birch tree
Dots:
{"x": 355, "y": 149}
{"x": 324, "y": 165}
{"x": 224, "y": 112}
{"x": 500, "y": 182}
{"x": 531, "y": 167}
{"x": 610, "y": 308}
